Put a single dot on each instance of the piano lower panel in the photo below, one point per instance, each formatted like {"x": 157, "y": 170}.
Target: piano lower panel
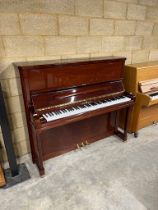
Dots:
{"x": 65, "y": 138}
{"x": 147, "y": 116}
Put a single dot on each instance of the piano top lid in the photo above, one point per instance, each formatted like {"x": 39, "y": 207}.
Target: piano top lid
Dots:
{"x": 144, "y": 65}
{"x": 64, "y": 61}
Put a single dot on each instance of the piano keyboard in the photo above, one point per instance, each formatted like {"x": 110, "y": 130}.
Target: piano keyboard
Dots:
{"x": 84, "y": 108}
{"x": 154, "y": 96}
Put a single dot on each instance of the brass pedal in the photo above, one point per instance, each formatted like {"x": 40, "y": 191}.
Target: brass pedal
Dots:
{"x": 78, "y": 146}
{"x": 87, "y": 143}
{"x": 82, "y": 144}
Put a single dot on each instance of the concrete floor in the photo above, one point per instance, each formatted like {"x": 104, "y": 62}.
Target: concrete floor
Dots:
{"x": 106, "y": 175}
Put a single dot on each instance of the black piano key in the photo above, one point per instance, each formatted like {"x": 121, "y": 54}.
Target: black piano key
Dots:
{"x": 81, "y": 106}
{"x": 154, "y": 94}
{"x": 75, "y": 108}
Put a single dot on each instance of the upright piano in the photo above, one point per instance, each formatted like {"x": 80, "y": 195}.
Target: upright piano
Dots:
{"x": 141, "y": 79}
{"x": 71, "y": 104}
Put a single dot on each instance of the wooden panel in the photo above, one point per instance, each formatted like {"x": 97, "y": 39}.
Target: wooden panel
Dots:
{"x": 148, "y": 116}
{"x": 130, "y": 79}
{"x": 65, "y": 138}
{"x": 148, "y": 73}
{"x": 71, "y": 75}
{"x": 2, "y": 180}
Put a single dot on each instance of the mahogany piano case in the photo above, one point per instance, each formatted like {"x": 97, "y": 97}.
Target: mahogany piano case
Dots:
{"x": 58, "y": 89}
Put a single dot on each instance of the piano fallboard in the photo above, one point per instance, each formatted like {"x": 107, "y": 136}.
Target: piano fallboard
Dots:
{"x": 65, "y": 138}
{"x": 86, "y": 93}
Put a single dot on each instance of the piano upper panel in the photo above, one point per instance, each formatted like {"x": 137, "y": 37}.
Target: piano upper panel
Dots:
{"x": 57, "y": 76}
{"x": 139, "y": 72}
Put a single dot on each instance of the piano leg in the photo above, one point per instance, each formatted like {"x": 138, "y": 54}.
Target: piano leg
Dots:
{"x": 123, "y": 135}
{"x": 32, "y": 148}
{"x": 39, "y": 153}
{"x": 116, "y": 130}
{"x": 135, "y": 134}
{"x": 116, "y": 121}
{"x": 128, "y": 110}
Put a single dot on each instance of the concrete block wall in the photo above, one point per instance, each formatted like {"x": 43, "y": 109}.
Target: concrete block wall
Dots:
{"x": 53, "y": 29}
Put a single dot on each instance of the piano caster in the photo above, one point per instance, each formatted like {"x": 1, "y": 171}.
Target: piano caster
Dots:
{"x": 135, "y": 134}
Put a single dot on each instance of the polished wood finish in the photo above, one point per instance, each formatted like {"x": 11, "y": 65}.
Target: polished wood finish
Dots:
{"x": 145, "y": 110}
{"x": 51, "y": 87}
{"x": 2, "y": 180}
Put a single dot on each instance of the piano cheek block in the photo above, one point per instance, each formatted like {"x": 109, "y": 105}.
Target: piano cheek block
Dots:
{"x": 66, "y": 111}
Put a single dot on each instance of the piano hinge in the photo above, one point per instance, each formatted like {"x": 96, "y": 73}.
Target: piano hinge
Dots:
{"x": 80, "y": 101}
